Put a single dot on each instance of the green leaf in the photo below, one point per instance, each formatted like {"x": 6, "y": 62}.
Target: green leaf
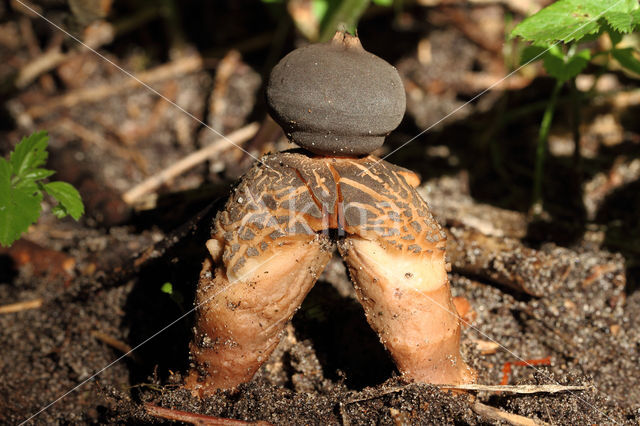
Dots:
{"x": 573, "y": 20}
{"x": 21, "y": 191}
{"x": 19, "y": 207}
{"x": 532, "y": 53}
{"x": 26, "y": 185}
{"x": 627, "y": 6}
{"x": 562, "y": 67}
{"x": 167, "y": 288}
{"x": 620, "y": 21}
{"x": 620, "y": 15}
{"x": 564, "y": 20}
{"x": 636, "y": 17}
{"x": 615, "y": 36}
{"x": 67, "y": 196}
{"x": 626, "y": 58}
{"x": 37, "y": 174}
{"x": 386, "y": 3}
{"x": 30, "y": 153}
{"x": 59, "y": 211}
{"x": 5, "y": 182}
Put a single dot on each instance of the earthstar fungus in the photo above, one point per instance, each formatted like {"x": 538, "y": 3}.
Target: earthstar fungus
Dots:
{"x": 272, "y": 240}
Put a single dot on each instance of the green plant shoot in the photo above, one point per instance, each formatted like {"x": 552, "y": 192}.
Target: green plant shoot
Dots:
{"x": 22, "y": 183}
{"x": 555, "y": 33}
{"x": 176, "y": 296}
{"x": 333, "y": 15}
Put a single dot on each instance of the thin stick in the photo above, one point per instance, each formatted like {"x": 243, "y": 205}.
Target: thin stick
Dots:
{"x": 43, "y": 63}
{"x": 178, "y": 67}
{"x": 495, "y": 414}
{"x": 517, "y": 389}
{"x": 195, "y": 418}
{"x": 111, "y": 341}
{"x": 54, "y": 58}
{"x": 154, "y": 182}
{"x": 21, "y": 306}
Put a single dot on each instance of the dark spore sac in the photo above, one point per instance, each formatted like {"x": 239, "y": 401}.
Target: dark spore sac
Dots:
{"x": 335, "y": 98}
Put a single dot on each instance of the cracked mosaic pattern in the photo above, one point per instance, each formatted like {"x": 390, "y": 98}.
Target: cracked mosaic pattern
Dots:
{"x": 297, "y": 196}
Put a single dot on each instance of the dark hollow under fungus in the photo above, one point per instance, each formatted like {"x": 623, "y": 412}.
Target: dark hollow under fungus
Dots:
{"x": 271, "y": 242}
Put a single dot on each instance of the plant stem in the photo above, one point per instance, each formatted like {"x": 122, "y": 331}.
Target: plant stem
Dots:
{"x": 543, "y": 135}
{"x": 347, "y": 12}
{"x": 576, "y": 97}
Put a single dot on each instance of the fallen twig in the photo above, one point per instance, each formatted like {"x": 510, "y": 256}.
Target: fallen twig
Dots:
{"x": 43, "y": 63}
{"x": 496, "y": 414}
{"x": 21, "y": 306}
{"x": 515, "y": 389}
{"x": 96, "y": 36}
{"x": 179, "y": 67}
{"x": 195, "y": 418}
{"x": 115, "y": 343}
{"x": 154, "y": 182}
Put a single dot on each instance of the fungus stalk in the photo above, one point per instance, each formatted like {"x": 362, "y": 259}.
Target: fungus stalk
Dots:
{"x": 408, "y": 303}
{"x": 242, "y": 315}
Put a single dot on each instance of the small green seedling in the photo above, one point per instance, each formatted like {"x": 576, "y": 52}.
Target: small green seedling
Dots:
{"x": 555, "y": 33}
{"x": 22, "y": 181}
{"x": 176, "y": 296}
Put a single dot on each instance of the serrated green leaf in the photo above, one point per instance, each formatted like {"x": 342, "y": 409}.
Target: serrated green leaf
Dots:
{"x": 30, "y": 153}
{"x": 626, "y": 58}
{"x": 573, "y": 20}
{"x": 37, "y": 174}
{"x": 67, "y": 196}
{"x": 21, "y": 191}
{"x": 620, "y": 21}
{"x": 564, "y": 20}
{"x": 19, "y": 207}
{"x": 564, "y": 68}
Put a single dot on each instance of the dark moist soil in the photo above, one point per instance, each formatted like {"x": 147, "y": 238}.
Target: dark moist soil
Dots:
{"x": 106, "y": 340}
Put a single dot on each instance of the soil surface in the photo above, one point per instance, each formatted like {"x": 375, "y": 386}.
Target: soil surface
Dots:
{"x": 101, "y": 342}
